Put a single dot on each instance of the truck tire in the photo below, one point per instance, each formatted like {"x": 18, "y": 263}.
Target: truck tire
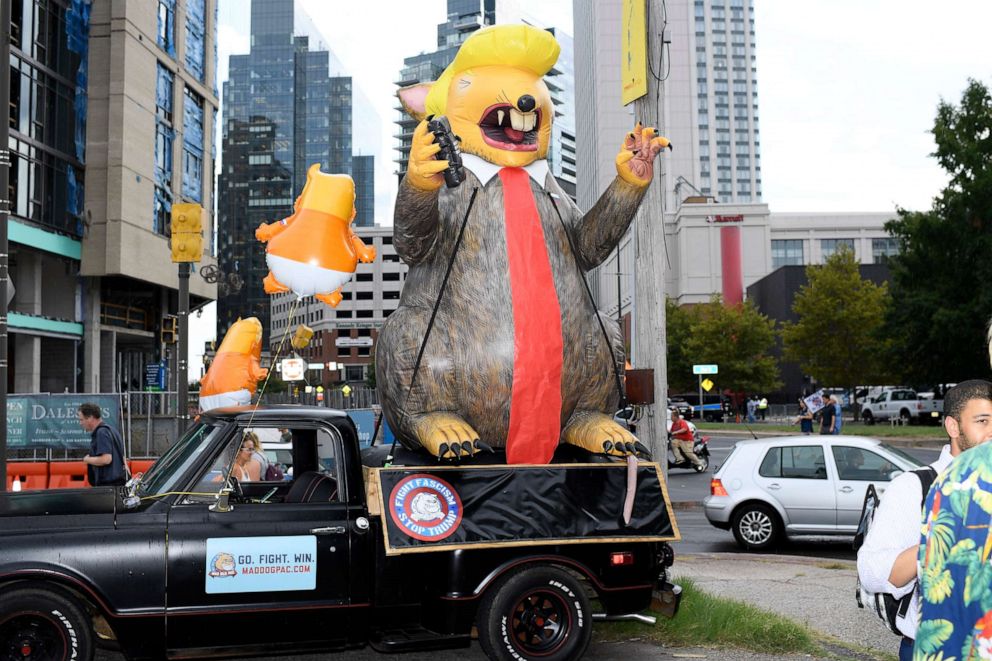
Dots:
{"x": 868, "y": 417}
{"x": 905, "y": 418}
{"x": 537, "y": 613}
{"x": 43, "y": 625}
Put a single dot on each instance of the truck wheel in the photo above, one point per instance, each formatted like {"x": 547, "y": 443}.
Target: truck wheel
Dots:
{"x": 868, "y": 418}
{"x": 43, "y": 625}
{"x": 538, "y": 613}
{"x": 905, "y": 418}
{"x": 756, "y": 527}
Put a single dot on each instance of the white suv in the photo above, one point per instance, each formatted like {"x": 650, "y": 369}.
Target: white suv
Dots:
{"x": 799, "y": 485}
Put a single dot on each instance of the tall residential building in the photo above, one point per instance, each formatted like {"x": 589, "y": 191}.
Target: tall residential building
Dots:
{"x": 284, "y": 110}
{"x": 464, "y": 18}
{"x": 94, "y": 131}
{"x": 708, "y": 94}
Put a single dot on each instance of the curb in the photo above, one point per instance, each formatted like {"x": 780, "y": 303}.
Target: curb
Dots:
{"x": 686, "y": 505}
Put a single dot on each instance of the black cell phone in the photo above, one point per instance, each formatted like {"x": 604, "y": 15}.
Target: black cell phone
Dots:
{"x": 441, "y": 128}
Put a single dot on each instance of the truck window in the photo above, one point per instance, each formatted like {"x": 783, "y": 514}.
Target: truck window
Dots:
{"x": 181, "y": 457}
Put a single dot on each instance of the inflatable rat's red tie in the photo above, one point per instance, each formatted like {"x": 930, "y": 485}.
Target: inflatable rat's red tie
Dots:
{"x": 535, "y": 406}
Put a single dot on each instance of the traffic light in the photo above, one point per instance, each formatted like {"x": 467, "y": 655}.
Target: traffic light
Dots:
{"x": 187, "y": 232}
{"x": 169, "y": 330}
{"x": 302, "y": 337}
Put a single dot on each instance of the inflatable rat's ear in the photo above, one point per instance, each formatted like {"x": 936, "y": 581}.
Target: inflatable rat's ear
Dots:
{"x": 414, "y": 99}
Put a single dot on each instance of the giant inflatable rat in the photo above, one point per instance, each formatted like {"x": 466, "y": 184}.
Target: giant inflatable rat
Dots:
{"x": 516, "y": 357}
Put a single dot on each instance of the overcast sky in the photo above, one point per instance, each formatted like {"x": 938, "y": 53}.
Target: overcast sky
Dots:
{"x": 847, "y": 89}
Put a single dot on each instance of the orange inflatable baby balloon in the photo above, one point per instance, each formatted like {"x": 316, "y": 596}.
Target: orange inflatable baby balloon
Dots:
{"x": 314, "y": 252}
{"x": 233, "y": 376}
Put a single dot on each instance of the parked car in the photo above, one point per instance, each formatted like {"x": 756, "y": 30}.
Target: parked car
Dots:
{"x": 904, "y": 404}
{"x": 799, "y": 485}
{"x": 683, "y": 407}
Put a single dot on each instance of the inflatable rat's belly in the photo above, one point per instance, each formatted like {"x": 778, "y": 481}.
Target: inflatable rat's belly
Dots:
{"x": 306, "y": 279}
{"x": 235, "y": 398}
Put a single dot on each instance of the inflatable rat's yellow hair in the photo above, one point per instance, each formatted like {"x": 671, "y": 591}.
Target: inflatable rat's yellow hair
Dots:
{"x": 520, "y": 46}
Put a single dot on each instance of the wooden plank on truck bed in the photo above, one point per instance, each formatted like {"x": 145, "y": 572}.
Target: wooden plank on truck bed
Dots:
{"x": 443, "y": 508}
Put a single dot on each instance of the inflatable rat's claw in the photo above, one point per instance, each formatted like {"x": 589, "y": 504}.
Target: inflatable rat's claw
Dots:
{"x": 640, "y": 447}
{"x": 456, "y": 449}
{"x": 443, "y": 450}
{"x": 630, "y": 448}
{"x": 479, "y": 445}
{"x": 467, "y": 448}
{"x": 607, "y": 446}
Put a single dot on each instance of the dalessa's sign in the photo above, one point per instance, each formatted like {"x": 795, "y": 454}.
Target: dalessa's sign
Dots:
{"x": 50, "y": 421}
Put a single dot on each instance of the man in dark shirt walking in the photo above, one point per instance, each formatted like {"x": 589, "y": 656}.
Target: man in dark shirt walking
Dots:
{"x": 827, "y": 417}
{"x": 105, "y": 462}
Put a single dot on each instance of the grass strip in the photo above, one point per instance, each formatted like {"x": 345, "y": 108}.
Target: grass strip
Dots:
{"x": 707, "y": 621}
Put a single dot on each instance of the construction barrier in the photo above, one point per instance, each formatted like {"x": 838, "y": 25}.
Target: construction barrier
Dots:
{"x": 58, "y": 474}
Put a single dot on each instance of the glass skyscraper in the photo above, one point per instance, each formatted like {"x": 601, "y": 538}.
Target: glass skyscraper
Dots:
{"x": 283, "y": 112}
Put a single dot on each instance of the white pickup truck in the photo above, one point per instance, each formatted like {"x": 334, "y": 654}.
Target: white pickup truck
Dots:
{"x": 904, "y": 405}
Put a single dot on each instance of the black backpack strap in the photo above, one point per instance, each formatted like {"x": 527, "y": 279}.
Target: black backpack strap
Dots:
{"x": 927, "y": 475}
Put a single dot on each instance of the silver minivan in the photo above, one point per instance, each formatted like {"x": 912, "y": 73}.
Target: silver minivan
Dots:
{"x": 799, "y": 485}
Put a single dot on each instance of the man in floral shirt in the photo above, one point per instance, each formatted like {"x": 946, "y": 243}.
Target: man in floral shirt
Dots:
{"x": 955, "y": 568}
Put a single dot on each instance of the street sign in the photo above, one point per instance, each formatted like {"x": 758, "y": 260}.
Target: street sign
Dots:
{"x": 292, "y": 369}
{"x": 704, "y": 369}
{"x": 707, "y": 385}
{"x": 353, "y": 342}
{"x": 346, "y": 390}
{"x": 315, "y": 366}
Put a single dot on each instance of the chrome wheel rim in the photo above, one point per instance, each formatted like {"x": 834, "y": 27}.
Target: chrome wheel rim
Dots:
{"x": 755, "y": 527}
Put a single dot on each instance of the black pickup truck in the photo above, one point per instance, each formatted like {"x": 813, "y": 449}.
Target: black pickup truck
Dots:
{"x": 186, "y": 561}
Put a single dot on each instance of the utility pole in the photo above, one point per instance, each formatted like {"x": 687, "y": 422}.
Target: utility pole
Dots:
{"x": 182, "y": 360}
{"x": 649, "y": 251}
{"x": 4, "y": 218}
{"x": 187, "y": 248}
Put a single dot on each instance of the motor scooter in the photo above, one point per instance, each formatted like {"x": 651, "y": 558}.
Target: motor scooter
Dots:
{"x": 698, "y": 447}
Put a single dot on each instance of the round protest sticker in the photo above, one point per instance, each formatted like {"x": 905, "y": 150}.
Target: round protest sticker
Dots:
{"x": 425, "y": 507}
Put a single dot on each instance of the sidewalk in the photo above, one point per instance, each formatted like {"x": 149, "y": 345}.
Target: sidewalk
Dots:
{"x": 813, "y": 591}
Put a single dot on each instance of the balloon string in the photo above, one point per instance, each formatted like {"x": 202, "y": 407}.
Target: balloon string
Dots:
{"x": 272, "y": 366}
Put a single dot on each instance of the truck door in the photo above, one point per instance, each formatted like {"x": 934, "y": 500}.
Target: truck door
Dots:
{"x": 274, "y": 568}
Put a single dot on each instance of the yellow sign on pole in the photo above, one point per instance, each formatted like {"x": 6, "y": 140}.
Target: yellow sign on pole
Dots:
{"x": 346, "y": 390}
{"x": 633, "y": 52}
{"x": 707, "y": 385}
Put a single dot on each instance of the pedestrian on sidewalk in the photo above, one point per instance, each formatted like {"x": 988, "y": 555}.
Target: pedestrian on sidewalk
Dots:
{"x": 763, "y": 408}
{"x": 805, "y": 418}
{"x": 827, "y": 417}
{"x": 105, "y": 461}
{"x": 887, "y": 561}
{"x": 752, "y": 405}
{"x": 838, "y": 422}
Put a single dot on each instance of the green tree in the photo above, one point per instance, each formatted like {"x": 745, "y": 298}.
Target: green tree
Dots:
{"x": 838, "y": 338}
{"x": 941, "y": 300}
{"x": 738, "y": 339}
{"x": 678, "y": 329}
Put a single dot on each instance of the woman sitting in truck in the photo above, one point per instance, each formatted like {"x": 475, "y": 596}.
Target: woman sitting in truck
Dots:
{"x": 246, "y": 467}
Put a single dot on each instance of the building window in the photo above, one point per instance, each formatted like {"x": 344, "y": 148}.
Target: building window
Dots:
{"x": 364, "y": 277}
{"x": 195, "y": 23}
{"x": 259, "y": 159}
{"x": 166, "y": 26}
{"x": 882, "y": 249}
{"x": 363, "y": 314}
{"x": 829, "y": 246}
{"x": 192, "y": 146}
{"x": 164, "y": 92}
{"x": 787, "y": 252}
{"x": 354, "y": 373}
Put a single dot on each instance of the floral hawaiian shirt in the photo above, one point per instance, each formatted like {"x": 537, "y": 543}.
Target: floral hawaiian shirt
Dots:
{"x": 955, "y": 569}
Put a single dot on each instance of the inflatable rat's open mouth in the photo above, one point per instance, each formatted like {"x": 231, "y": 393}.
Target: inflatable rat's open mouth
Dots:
{"x": 505, "y": 127}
